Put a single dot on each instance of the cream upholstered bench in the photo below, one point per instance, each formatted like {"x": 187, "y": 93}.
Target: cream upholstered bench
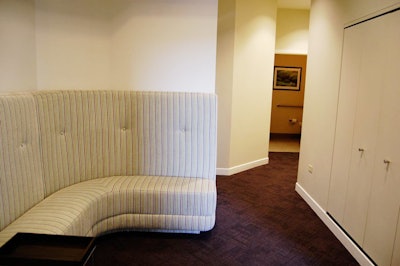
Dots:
{"x": 89, "y": 162}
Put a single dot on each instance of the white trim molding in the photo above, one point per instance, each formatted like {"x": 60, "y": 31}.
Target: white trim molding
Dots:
{"x": 354, "y": 250}
{"x": 242, "y": 167}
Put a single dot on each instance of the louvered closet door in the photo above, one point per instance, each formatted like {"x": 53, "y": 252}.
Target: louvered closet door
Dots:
{"x": 384, "y": 203}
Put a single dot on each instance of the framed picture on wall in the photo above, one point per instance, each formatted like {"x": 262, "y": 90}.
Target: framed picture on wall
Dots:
{"x": 287, "y": 78}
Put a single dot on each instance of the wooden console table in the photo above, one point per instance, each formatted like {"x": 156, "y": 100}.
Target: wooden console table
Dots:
{"x": 41, "y": 249}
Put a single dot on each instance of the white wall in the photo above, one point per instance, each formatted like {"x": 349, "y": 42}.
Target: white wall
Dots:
{"x": 320, "y": 100}
{"x": 245, "y": 117}
{"x": 17, "y": 46}
{"x": 165, "y": 45}
{"x": 292, "y": 31}
{"x": 73, "y": 45}
{"x": 121, "y": 44}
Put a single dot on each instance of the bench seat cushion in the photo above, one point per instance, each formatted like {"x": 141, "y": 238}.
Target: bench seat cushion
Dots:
{"x": 114, "y": 203}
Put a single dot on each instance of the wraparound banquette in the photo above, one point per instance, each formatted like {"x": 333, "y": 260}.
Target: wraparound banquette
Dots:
{"x": 88, "y": 162}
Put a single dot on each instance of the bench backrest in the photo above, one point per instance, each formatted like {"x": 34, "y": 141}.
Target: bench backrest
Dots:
{"x": 92, "y": 134}
{"x": 53, "y": 139}
{"x": 21, "y": 176}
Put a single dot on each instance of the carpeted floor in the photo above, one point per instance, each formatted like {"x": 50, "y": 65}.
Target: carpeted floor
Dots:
{"x": 261, "y": 220}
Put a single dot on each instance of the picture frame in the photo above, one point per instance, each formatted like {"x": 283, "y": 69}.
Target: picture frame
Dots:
{"x": 287, "y": 78}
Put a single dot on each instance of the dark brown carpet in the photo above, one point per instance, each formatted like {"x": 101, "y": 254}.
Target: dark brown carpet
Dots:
{"x": 261, "y": 220}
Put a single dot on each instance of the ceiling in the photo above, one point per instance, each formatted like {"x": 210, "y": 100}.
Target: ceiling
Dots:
{"x": 295, "y": 4}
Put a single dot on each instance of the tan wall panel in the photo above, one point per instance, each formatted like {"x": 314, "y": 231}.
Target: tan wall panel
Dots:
{"x": 280, "y": 116}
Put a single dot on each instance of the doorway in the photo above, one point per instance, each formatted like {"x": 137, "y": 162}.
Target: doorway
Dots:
{"x": 287, "y": 102}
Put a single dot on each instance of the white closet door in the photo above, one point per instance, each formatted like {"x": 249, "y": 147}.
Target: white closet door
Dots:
{"x": 347, "y": 104}
{"x": 384, "y": 203}
{"x": 365, "y": 131}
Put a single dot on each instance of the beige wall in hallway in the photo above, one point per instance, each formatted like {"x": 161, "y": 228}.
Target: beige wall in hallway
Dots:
{"x": 292, "y": 31}
{"x": 244, "y": 78}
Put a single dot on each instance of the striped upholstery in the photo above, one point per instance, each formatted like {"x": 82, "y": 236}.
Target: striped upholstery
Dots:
{"x": 92, "y": 134}
{"x": 70, "y": 211}
{"x": 122, "y": 202}
{"x": 111, "y": 160}
{"x": 21, "y": 178}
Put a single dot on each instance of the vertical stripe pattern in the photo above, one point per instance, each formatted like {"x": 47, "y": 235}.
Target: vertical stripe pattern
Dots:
{"x": 21, "y": 178}
{"x": 122, "y": 202}
{"x": 93, "y": 134}
{"x": 86, "y": 162}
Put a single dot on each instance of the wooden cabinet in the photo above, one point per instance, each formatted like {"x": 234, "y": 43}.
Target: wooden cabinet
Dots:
{"x": 364, "y": 196}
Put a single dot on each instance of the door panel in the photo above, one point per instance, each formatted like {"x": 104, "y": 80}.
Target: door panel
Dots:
{"x": 385, "y": 194}
{"x": 345, "y": 122}
{"x": 365, "y": 133}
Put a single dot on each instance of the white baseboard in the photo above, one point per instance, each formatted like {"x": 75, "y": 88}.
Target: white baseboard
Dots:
{"x": 336, "y": 230}
{"x": 241, "y": 168}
